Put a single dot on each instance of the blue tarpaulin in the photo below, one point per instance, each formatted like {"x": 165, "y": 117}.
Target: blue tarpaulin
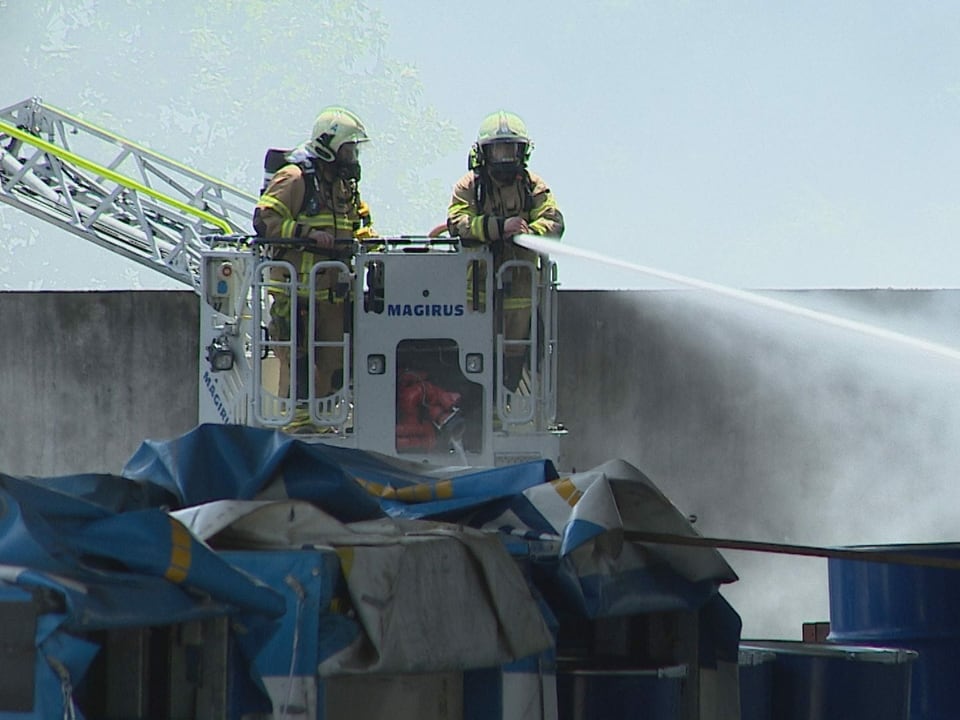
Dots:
{"x": 113, "y": 550}
{"x": 118, "y": 569}
{"x": 218, "y": 462}
{"x": 528, "y": 500}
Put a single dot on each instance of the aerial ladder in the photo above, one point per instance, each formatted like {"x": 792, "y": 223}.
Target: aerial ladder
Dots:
{"x": 422, "y": 347}
{"x": 113, "y": 192}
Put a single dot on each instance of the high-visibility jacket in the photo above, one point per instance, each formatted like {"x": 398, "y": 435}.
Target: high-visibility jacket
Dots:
{"x": 478, "y": 209}
{"x": 290, "y": 208}
{"x": 287, "y": 210}
{"x": 480, "y": 205}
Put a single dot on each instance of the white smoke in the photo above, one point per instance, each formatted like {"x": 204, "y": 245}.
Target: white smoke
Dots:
{"x": 771, "y": 426}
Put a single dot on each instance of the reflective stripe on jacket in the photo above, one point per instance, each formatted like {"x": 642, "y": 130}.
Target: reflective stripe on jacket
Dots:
{"x": 527, "y": 197}
{"x": 333, "y": 206}
{"x": 336, "y": 207}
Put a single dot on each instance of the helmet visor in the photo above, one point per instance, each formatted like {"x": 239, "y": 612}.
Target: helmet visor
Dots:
{"x": 504, "y": 152}
{"x": 349, "y": 153}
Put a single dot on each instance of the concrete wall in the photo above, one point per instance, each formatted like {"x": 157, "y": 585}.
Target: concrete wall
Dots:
{"x": 87, "y": 376}
{"x": 764, "y": 424}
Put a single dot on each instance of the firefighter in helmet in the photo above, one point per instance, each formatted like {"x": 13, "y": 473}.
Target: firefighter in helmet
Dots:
{"x": 496, "y": 200}
{"x": 314, "y": 201}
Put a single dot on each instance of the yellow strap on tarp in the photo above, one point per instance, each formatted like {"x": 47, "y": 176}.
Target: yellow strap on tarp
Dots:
{"x": 181, "y": 543}
{"x": 567, "y": 490}
{"x": 420, "y": 492}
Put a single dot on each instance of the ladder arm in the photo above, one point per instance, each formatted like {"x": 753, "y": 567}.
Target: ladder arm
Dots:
{"x": 113, "y": 192}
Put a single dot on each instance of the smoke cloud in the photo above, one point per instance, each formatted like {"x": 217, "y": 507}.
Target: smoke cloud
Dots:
{"x": 771, "y": 427}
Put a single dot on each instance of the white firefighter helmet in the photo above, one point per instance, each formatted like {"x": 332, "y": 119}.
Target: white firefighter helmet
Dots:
{"x": 334, "y": 128}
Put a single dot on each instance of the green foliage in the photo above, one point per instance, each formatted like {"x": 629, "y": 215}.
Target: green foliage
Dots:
{"x": 214, "y": 84}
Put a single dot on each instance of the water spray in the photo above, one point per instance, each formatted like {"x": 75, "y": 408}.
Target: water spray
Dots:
{"x": 553, "y": 247}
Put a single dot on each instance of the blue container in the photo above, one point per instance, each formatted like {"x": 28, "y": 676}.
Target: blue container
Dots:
{"x": 908, "y": 606}
{"x": 523, "y": 688}
{"x": 838, "y": 682}
{"x": 620, "y": 694}
{"x": 755, "y": 668}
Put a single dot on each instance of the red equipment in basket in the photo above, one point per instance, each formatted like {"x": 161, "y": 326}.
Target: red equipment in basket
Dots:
{"x": 422, "y": 409}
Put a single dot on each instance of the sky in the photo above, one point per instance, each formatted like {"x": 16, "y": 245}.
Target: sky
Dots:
{"x": 752, "y": 144}
{"x": 749, "y": 144}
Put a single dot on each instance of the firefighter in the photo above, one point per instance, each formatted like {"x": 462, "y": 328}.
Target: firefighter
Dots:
{"x": 496, "y": 200}
{"x": 314, "y": 201}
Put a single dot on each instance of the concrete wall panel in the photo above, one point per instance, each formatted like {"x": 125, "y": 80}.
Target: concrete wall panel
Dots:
{"x": 87, "y": 376}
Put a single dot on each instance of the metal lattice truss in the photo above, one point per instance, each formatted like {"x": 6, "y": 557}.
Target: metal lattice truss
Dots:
{"x": 113, "y": 192}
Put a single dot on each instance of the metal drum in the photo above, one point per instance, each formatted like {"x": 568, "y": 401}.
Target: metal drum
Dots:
{"x": 831, "y": 682}
{"x": 910, "y": 606}
{"x": 755, "y": 668}
{"x": 619, "y": 694}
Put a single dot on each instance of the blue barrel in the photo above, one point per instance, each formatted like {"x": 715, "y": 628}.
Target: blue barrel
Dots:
{"x": 620, "y": 694}
{"x": 755, "y": 668}
{"x": 832, "y": 682}
{"x": 910, "y": 606}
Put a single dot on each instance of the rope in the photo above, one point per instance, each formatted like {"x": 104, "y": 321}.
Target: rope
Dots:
{"x": 66, "y": 687}
{"x": 862, "y": 555}
{"x": 301, "y": 597}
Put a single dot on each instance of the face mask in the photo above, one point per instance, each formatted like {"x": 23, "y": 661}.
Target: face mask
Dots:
{"x": 503, "y": 160}
{"x": 347, "y": 164}
{"x": 348, "y": 171}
